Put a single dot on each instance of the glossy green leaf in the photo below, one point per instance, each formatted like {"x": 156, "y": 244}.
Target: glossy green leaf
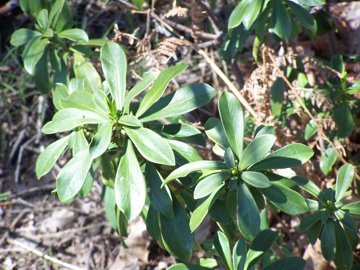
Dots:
{"x": 180, "y": 102}
{"x": 307, "y": 185}
{"x": 84, "y": 100}
{"x": 215, "y": 131}
{"x": 277, "y": 91}
{"x": 160, "y": 198}
{"x": 256, "y": 150}
{"x": 232, "y": 117}
{"x": 110, "y": 206}
{"x": 354, "y": 88}
{"x": 343, "y": 119}
{"x": 286, "y": 199}
{"x": 101, "y": 140}
{"x": 159, "y": 87}
{"x": 310, "y": 130}
{"x": 328, "y": 240}
{"x": 83, "y": 69}
{"x": 264, "y": 130}
{"x": 64, "y": 19}
{"x": 139, "y": 87}
{"x": 49, "y": 156}
{"x": 151, "y": 145}
{"x": 41, "y": 74}
{"x": 353, "y": 208}
{"x": 130, "y": 184}
{"x": 193, "y": 167}
{"x": 343, "y": 181}
{"x": 328, "y": 159}
{"x": 130, "y": 121}
{"x": 74, "y": 34}
{"x": 239, "y": 255}
{"x": 246, "y": 12}
{"x": 55, "y": 11}
{"x": 281, "y": 20}
{"x": 202, "y": 210}
{"x": 23, "y": 36}
{"x": 114, "y": 65}
{"x": 314, "y": 231}
{"x": 210, "y": 183}
{"x": 248, "y": 219}
{"x": 68, "y": 119}
{"x": 78, "y": 142}
{"x": 310, "y": 219}
{"x": 343, "y": 255}
{"x": 262, "y": 243}
{"x": 42, "y": 19}
{"x": 72, "y": 176}
{"x": 182, "y": 266}
{"x": 304, "y": 17}
{"x": 288, "y": 263}
{"x": 184, "y": 153}
{"x": 176, "y": 234}
{"x": 222, "y": 246}
{"x": 289, "y": 156}
{"x": 34, "y": 53}
{"x": 256, "y": 179}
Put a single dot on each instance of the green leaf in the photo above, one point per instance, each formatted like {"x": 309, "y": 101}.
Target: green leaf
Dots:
{"x": 353, "y": 208}
{"x": 343, "y": 255}
{"x": 310, "y": 219}
{"x": 193, "y": 167}
{"x": 41, "y": 74}
{"x": 130, "y": 121}
{"x": 130, "y": 188}
{"x": 181, "y": 266}
{"x": 180, "y": 102}
{"x": 55, "y": 11}
{"x": 139, "y": 87}
{"x": 246, "y": 12}
{"x": 114, "y": 64}
{"x": 232, "y": 117}
{"x": 138, "y": 3}
{"x": 63, "y": 19}
{"x": 78, "y": 142}
{"x": 210, "y": 183}
{"x": 354, "y": 88}
{"x": 72, "y": 176}
{"x": 176, "y": 234}
{"x": 304, "y": 17}
{"x": 68, "y": 119}
{"x": 74, "y": 34}
{"x": 151, "y": 145}
{"x": 159, "y": 87}
{"x": 328, "y": 240}
{"x": 201, "y": 211}
{"x": 33, "y": 7}
{"x": 307, "y": 185}
{"x": 83, "y": 69}
{"x": 248, "y": 219}
{"x": 328, "y": 159}
{"x": 343, "y": 119}
{"x": 49, "y": 156}
{"x": 215, "y": 131}
{"x": 160, "y": 198}
{"x": 34, "y": 54}
{"x": 343, "y": 181}
{"x": 256, "y": 179}
{"x": 42, "y": 19}
{"x": 239, "y": 255}
{"x": 288, "y": 263}
{"x": 101, "y": 140}
{"x": 277, "y": 91}
{"x": 286, "y": 199}
{"x": 256, "y": 150}
{"x": 222, "y": 246}
{"x": 184, "y": 153}
{"x": 314, "y": 231}
{"x": 289, "y": 156}
{"x": 23, "y": 36}
{"x": 281, "y": 20}
{"x": 263, "y": 241}
{"x": 310, "y": 130}
{"x": 110, "y": 206}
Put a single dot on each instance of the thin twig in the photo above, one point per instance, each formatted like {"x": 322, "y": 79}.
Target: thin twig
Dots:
{"x": 43, "y": 255}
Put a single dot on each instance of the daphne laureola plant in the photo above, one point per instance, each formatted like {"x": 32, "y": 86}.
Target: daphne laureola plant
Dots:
{"x": 150, "y": 168}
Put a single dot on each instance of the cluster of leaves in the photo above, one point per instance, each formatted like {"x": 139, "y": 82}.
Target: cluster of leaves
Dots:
{"x": 150, "y": 167}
